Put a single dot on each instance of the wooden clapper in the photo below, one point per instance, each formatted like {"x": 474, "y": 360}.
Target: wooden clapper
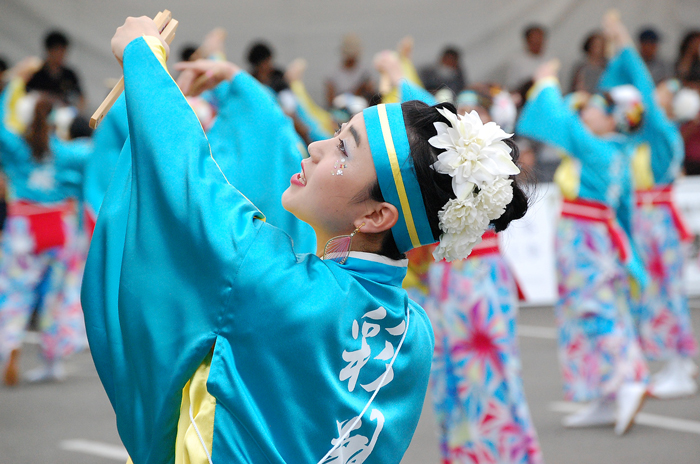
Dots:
{"x": 167, "y": 27}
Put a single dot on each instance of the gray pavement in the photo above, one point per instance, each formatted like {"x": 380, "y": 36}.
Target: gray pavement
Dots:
{"x": 72, "y": 422}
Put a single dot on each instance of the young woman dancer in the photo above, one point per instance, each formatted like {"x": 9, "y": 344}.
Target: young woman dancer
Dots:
{"x": 39, "y": 243}
{"x": 216, "y": 342}
{"x": 475, "y": 380}
{"x": 601, "y": 361}
{"x": 661, "y": 310}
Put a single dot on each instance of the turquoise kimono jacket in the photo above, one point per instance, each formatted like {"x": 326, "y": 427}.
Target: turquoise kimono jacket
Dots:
{"x": 57, "y": 178}
{"x": 311, "y": 361}
{"x": 662, "y": 134}
{"x": 604, "y": 162}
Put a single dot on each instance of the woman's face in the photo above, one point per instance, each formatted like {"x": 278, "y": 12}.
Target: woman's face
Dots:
{"x": 597, "y": 48}
{"x": 597, "y": 120}
{"x": 331, "y": 191}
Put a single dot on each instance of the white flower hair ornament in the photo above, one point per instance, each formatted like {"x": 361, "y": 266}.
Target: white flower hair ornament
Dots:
{"x": 479, "y": 162}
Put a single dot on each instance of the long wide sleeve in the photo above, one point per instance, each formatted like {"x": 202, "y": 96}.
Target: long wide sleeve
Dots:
{"x": 167, "y": 245}
{"x": 258, "y": 150}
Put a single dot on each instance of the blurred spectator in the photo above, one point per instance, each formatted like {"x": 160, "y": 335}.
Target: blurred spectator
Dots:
{"x": 586, "y": 73}
{"x": 3, "y": 68}
{"x": 688, "y": 62}
{"x": 55, "y": 78}
{"x": 262, "y": 67}
{"x": 187, "y": 51}
{"x": 649, "y": 48}
{"x": 691, "y": 137}
{"x": 447, "y": 72}
{"x": 523, "y": 66}
{"x": 350, "y": 77}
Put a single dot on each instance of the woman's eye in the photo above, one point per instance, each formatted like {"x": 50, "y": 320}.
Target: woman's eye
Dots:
{"x": 341, "y": 147}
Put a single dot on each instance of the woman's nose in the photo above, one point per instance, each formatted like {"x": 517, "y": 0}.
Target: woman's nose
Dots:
{"x": 315, "y": 150}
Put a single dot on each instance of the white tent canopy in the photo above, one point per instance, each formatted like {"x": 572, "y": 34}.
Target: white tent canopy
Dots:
{"x": 487, "y": 32}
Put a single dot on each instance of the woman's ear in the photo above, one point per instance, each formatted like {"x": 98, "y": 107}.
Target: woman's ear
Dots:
{"x": 380, "y": 218}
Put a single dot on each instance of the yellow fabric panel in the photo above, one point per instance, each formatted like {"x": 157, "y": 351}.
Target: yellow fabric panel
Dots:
{"x": 568, "y": 177}
{"x": 642, "y": 175}
{"x": 409, "y": 71}
{"x": 391, "y": 97}
{"x": 196, "y": 400}
{"x": 323, "y": 117}
{"x": 410, "y": 74}
{"x": 16, "y": 90}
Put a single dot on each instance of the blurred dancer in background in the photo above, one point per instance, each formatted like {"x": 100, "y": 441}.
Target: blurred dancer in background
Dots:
{"x": 39, "y": 246}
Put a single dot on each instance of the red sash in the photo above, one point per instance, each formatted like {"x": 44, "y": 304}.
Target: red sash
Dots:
{"x": 599, "y": 212}
{"x": 45, "y": 222}
{"x": 662, "y": 196}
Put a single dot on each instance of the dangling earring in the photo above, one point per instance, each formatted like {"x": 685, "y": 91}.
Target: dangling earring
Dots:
{"x": 338, "y": 248}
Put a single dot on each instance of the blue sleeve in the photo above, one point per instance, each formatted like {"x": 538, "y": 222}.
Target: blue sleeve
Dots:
{"x": 662, "y": 134}
{"x": 546, "y": 118}
{"x": 252, "y": 139}
{"x": 410, "y": 91}
{"x": 108, "y": 141}
{"x": 170, "y": 238}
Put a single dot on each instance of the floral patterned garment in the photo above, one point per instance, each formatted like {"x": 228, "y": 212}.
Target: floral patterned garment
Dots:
{"x": 475, "y": 382}
{"x": 661, "y": 311}
{"x": 598, "y": 347}
{"x": 54, "y": 277}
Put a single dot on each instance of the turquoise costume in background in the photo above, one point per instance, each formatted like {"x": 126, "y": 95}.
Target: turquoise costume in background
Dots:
{"x": 316, "y": 130}
{"x": 108, "y": 140}
{"x": 661, "y": 311}
{"x": 605, "y": 174}
{"x": 33, "y": 266}
{"x": 657, "y": 130}
{"x": 59, "y": 178}
{"x": 597, "y": 342}
{"x": 410, "y": 91}
{"x": 258, "y": 150}
{"x": 183, "y": 265}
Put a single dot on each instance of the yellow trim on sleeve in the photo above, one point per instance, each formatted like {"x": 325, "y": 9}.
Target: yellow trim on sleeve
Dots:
{"x": 540, "y": 85}
{"x": 323, "y": 117}
{"x": 642, "y": 174}
{"x": 568, "y": 177}
{"x": 195, "y": 398}
{"x": 396, "y": 170}
{"x": 16, "y": 89}
{"x": 157, "y": 48}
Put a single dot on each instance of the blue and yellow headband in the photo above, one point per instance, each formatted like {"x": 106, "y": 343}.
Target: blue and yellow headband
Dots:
{"x": 388, "y": 143}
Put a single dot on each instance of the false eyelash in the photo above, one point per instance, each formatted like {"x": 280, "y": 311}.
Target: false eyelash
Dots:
{"x": 337, "y": 131}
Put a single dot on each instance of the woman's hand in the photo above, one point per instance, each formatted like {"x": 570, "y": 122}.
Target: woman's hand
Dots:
{"x": 134, "y": 28}
{"x": 388, "y": 64}
{"x": 25, "y": 69}
{"x": 295, "y": 71}
{"x": 615, "y": 31}
{"x": 198, "y": 76}
{"x": 546, "y": 70}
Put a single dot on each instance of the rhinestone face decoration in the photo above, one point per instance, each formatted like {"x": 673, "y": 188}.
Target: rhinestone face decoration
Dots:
{"x": 339, "y": 166}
